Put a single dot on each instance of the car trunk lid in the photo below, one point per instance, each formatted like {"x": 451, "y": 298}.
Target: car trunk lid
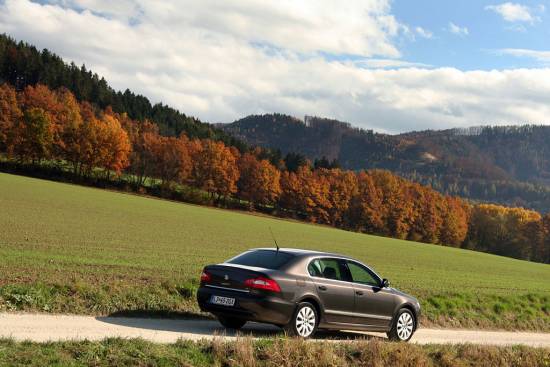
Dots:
{"x": 232, "y": 276}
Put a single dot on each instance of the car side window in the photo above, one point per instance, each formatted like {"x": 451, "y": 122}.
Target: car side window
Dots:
{"x": 361, "y": 275}
{"x": 314, "y": 269}
{"x": 326, "y": 268}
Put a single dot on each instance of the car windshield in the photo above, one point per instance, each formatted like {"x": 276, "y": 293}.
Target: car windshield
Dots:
{"x": 267, "y": 259}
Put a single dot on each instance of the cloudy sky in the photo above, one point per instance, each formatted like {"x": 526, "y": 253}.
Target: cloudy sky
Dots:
{"x": 387, "y": 65}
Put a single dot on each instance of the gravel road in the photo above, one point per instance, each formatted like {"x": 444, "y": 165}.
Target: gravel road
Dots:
{"x": 41, "y": 328}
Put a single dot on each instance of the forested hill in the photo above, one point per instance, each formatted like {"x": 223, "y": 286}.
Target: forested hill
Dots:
{"x": 508, "y": 165}
{"x": 22, "y": 64}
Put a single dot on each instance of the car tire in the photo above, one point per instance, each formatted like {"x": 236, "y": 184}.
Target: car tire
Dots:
{"x": 304, "y": 321}
{"x": 403, "y": 327}
{"x": 231, "y": 322}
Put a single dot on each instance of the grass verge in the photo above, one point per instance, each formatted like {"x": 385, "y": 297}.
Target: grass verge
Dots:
{"x": 279, "y": 352}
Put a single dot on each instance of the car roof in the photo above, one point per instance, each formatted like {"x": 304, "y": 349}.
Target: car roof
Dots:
{"x": 302, "y": 252}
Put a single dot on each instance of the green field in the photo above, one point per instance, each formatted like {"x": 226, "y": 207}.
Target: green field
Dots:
{"x": 66, "y": 248}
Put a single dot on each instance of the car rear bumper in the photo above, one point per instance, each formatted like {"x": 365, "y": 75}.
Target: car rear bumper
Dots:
{"x": 250, "y": 306}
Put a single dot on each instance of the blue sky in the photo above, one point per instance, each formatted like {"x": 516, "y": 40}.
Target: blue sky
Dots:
{"x": 488, "y": 32}
{"x": 391, "y": 66}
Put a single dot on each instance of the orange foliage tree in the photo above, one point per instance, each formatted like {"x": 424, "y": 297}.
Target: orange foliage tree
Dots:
{"x": 172, "y": 159}
{"x": 214, "y": 168}
{"x": 366, "y": 212}
{"x": 342, "y": 187}
{"x": 34, "y": 136}
{"x": 143, "y": 138}
{"x": 41, "y": 97}
{"x": 396, "y": 202}
{"x": 259, "y": 181}
{"x": 114, "y": 145}
{"x": 427, "y": 217}
{"x": 100, "y": 142}
{"x": 307, "y": 193}
{"x": 69, "y": 123}
{"x": 455, "y": 222}
{"x": 10, "y": 116}
{"x": 505, "y": 231}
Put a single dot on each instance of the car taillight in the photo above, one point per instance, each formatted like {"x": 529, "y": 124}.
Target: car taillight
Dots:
{"x": 263, "y": 283}
{"x": 205, "y": 277}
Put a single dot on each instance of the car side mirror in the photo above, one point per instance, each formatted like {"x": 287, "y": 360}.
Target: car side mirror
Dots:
{"x": 385, "y": 283}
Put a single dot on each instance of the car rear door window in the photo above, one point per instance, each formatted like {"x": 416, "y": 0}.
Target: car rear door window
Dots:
{"x": 360, "y": 274}
{"x": 327, "y": 268}
{"x": 267, "y": 259}
{"x": 314, "y": 269}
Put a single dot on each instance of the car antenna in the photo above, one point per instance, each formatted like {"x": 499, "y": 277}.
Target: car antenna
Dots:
{"x": 274, "y": 239}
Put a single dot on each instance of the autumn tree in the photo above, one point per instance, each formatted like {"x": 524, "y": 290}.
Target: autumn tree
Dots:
{"x": 114, "y": 145}
{"x": 524, "y": 228}
{"x": 395, "y": 202}
{"x": 307, "y": 194}
{"x": 69, "y": 121}
{"x": 455, "y": 222}
{"x": 290, "y": 198}
{"x": 171, "y": 158}
{"x": 10, "y": 116}
{"x": 428, "y": 207}
{"x": 70, "y": 145}
{"x": 101, "y": 143}
{"x": 259, "y": 181}
{"x": 541, "y": 251}
{"x": 41, "y": 97}
{"x": 342, "y": 186}
{"x": 89, "y": 141}
{"x": 143, "y": 138}
{"x": 366, "y": 212}
{"x": 35, "y": 136}
{"x": 214, "y": 169}
{"x": 504, "y": 231}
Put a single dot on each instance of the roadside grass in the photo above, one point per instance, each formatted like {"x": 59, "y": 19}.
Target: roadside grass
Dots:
{"x": 72, "y": 249}
{"x": 249, "y": 353}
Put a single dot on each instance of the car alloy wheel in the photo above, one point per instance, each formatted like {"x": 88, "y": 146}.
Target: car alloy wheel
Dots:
{"x": 304, "y": 322}
{"x": 405, "y": 325}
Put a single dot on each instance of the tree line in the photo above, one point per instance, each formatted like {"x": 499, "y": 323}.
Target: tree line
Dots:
{"x": 39, "y": 125}
{"x": 529, "y": 195}
{"x": 22, "y": 65}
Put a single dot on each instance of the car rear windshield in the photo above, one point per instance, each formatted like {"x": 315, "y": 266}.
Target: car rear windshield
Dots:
{"x": 267, "y": 259}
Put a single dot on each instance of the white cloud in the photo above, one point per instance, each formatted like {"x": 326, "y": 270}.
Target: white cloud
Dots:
{"x": 388, "y": 64}
{"x": 459, "y": 31}
{"x": 540, "y": 56}
{"x": 513, "y": 12}
{"x": 424, "y": 33}
{"x": 233, "y": 60}
{"x": 302, "y": 26}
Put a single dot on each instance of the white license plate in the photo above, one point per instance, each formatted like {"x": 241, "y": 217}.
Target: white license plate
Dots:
{"x": 224, "y": 301}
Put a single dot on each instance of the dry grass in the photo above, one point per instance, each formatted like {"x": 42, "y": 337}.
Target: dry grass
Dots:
{"x": 264, "y": 353}
{"x": 292, "y": 352}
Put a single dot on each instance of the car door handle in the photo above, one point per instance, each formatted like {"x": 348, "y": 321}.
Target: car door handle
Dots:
{"x": 322, "y": 287}
{"x": 359, "y": 293}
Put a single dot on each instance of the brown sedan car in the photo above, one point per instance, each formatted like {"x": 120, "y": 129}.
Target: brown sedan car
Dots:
{"x": 303, "y": 291}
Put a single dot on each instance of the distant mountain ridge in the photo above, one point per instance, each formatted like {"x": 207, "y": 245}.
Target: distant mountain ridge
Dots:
{"x": 504, "y": 164}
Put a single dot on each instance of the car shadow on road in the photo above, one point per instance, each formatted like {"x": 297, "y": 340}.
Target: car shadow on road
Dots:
{"x": 160, "y": 314}
{"x": 197, "y": 328}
